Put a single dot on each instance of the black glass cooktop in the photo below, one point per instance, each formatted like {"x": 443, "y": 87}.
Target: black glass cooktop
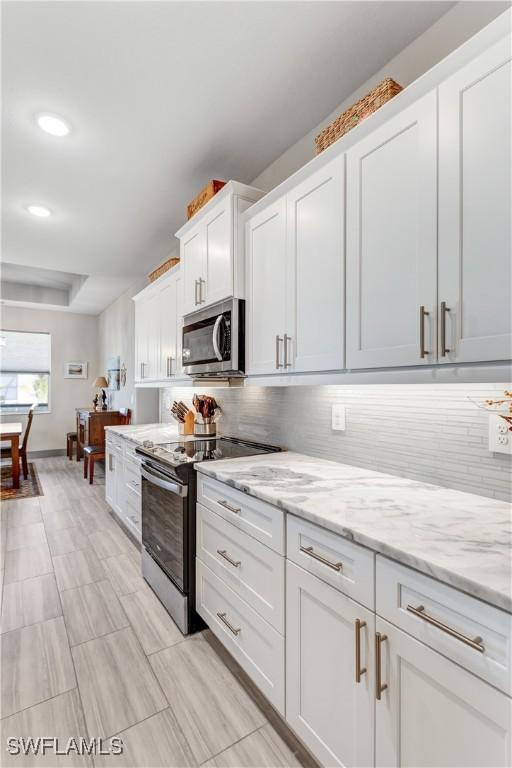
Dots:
{"x": 192, "y": 449}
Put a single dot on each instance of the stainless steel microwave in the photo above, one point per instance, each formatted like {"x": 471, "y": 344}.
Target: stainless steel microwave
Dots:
{"x": 214, "y": 340}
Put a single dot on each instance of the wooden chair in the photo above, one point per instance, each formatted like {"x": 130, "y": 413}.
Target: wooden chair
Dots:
{"x": 71, "y": 437}
{"x": 6, "y": 452}
{"x": 94, "y": 453}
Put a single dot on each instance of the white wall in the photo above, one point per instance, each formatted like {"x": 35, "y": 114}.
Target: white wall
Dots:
{"x": 456, "y": 26}
{"x": 116, "y": 336}
{"x": 74, "y": 337}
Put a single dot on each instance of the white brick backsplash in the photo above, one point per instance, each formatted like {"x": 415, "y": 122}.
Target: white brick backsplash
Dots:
{"x": 429, "y": 432}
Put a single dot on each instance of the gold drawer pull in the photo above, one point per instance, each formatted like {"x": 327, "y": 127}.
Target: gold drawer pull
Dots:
{"x": 311, "y": 552}
{"x": 224, "y": 503}
{"x": 222, "y": 617}
{"x": 359, "y": 625}
{"x": 223, "y": 553}
{"x": 379, "y": 685}
{"x": 475, "y": 643}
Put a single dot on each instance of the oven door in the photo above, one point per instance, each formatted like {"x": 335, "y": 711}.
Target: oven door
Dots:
{"x": 211, "y": 339}
{"x": 164, "y": 522}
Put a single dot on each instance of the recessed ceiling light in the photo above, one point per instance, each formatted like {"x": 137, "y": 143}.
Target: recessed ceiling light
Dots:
{"x": 52, "y": 124}
{"x": 39, "y": 210}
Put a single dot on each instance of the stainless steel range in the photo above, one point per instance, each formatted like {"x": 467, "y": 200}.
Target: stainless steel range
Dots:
{"x": 169, "y": 516}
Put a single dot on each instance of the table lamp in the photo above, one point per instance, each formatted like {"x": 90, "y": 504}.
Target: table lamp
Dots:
{"x": 100, "y": 383}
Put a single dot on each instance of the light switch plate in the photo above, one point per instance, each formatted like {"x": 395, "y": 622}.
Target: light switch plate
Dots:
{"x": 500, "y": 436}
{"x": 338, "y": 417}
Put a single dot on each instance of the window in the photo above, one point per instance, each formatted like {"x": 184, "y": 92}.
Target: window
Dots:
{"x": 24, "y": 370}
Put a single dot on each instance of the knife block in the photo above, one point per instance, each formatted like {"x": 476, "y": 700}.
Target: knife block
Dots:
{"x": 187, "y": 427}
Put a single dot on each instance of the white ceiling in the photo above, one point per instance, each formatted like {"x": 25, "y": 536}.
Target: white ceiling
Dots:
{"x": 163, "y": 96}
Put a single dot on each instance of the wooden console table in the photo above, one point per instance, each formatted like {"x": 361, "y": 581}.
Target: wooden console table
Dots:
{"x": 90, "y": 427}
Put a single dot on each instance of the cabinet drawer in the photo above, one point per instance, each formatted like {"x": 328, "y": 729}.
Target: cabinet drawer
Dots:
{"x": 257, "y": 647}
{"x": 457, "y": 617}
{"x": 132, "y": 476}
{"x": 255, "y": 517}
{"x": 253, "y": 571}
{"x": 346, "y": 566}
{"x": 113, "y": 441}
{"x": 129, "y": 451}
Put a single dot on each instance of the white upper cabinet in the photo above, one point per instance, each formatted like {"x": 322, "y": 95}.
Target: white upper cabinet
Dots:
{"x": 266, "y": 291}
{"x": 158, "y": 325}
{"x": 211, "y": 248}
{"x": 147, "y": 335}
{"x": 295, "y": 293}
{"x": 191, "y": 257}
{"x": 168, "y": 324}
{"x": 315, "y": 265}
{"x": 392, "y": 241}
{"x": 434, "y": 713}
{"x": 475, "y": 210}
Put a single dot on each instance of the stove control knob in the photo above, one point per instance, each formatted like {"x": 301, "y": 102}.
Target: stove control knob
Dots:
{"x": 148, "y": 444}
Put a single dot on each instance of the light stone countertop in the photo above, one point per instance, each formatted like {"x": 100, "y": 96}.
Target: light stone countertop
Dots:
{"x": 137, "y": 433}
{"x": 458, "y": 538}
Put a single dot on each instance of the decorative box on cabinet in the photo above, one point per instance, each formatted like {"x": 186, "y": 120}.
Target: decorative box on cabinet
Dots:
{"x": 212, "y": 249}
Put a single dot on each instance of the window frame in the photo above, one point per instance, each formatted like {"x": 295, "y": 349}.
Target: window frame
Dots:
{"x": 6, "y": 410}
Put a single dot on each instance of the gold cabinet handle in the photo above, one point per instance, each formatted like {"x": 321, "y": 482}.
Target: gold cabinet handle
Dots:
{"x": 379, "y": 685}
{"x": 475, "y": 643}
{"x": 443, "y": 311}
{"x": 359, "y": 671}
{"x": 423, "y": 314}
{"x": 234, "y": 630}
{"x": 223, "y": 553}
{"x": 278, "y": 352}
{"x": 311, "y": 552}
{"x": 224, "y": 504}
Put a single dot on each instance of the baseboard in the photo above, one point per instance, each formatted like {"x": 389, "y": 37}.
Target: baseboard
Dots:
{"x": 46, "y": 454}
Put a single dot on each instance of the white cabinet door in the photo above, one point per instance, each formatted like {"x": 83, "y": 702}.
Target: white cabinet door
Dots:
{"x": 217, "y": 275}
{"x": 434, "y": 713}
{"x": 316, "y": 271}
{"x": 179, "y": 328}
{"x": 141, "y": 338}
{"x": 475, "y": 209}
{"x": 192, "y": 261}
{"x": 167, "y": 301}
{"x": 392, "y": 241}
{"x": 266, "y": 290}
{"x": 110, "y": 477}
{"x": 331, "y": 712}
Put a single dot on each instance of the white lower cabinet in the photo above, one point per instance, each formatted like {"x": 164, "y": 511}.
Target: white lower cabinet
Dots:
{"x": 326, "y": 705}
{"x": 123, "y": 482}
{"x": 257, "y": 647}
{"x": 360, "y": 691}
{"x": 434, "y": 713}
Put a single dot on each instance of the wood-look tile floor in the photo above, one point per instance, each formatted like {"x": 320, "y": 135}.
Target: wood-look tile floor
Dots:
{"x": 88, "y": 651}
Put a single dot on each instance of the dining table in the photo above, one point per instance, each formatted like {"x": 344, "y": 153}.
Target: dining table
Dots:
{"x": 11, "y": 431}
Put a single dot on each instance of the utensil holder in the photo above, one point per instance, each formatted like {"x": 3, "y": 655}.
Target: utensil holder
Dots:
{"x": 207, "y": 427}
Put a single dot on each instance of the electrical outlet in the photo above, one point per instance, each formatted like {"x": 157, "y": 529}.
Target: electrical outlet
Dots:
{"x": 500, "y": 435}
{"x": 338, "y": 417}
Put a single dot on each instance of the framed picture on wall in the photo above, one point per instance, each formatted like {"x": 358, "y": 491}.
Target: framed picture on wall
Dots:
{"x": 75, "y": 370}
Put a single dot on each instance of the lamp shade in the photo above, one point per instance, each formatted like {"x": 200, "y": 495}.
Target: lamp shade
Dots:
{"x": 100, "y": 382}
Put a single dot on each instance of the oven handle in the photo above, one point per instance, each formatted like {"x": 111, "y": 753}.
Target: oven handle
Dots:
{"x": 161, "y": 480}
{"x": 215, "y": 338}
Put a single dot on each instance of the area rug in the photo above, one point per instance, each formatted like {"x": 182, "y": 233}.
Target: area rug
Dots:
{"x": 29, "y": 487}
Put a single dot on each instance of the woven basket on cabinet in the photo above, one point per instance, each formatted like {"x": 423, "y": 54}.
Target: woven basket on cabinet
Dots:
{"x": 370, "y": 103}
